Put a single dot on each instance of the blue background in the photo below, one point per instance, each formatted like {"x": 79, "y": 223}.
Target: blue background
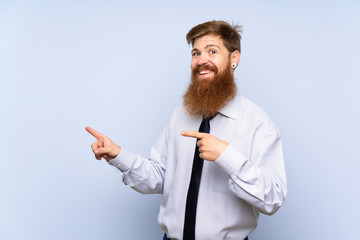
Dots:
{"x": 122, "y": 66}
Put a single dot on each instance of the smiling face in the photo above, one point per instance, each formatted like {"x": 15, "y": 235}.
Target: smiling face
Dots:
{"x": 212, "y": 83}
{"x": 210, "y": 57}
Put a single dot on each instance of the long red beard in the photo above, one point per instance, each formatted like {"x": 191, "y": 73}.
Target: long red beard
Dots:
{"x": 207, "y": 96}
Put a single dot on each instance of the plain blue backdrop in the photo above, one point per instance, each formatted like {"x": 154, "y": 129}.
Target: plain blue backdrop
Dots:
{"x": 122, "y": 66}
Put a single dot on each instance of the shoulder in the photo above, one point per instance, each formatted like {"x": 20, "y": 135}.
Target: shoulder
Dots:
{"x": 255, "y": 115}
{"x": 179, "y": 114}
{"x": 249, "y": 107}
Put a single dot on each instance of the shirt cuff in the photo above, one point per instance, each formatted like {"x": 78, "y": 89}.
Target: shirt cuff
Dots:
{"x": 230, "y": 160}
{"x": 123, "y": 161}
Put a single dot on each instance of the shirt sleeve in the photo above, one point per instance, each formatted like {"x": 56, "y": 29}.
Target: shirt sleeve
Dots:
{"x": 259, "y": 178}
{"x": 145, "y": 175}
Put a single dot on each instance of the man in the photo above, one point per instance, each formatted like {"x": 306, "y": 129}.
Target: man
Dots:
{"x": 243, "y": 173}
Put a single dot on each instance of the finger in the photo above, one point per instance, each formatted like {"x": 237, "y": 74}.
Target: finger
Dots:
{"x": 94, "y": 133}
{"x": 102, "y": 151}
{"x": 99, "y": 155}
{"x": 94, "y": 146}
{"x": 192, "y": 134}
{"x": 98, "y": 149}
{"x": 101, "y": 142}
{"x": 200, "y": 142}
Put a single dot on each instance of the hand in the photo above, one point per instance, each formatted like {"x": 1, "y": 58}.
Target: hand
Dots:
{"x": 103, "y": 147}
{"x": 210, "y": 147}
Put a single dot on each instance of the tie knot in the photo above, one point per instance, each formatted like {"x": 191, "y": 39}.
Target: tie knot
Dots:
{"x": 209, "y": 118}
{"x": 205, "y": 125}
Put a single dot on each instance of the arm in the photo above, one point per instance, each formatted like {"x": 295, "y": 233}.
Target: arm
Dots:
{"x": 258, "y": 179}
{"x": 142, "y": 174}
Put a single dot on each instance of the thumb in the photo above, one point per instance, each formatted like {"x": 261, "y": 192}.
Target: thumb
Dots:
{"x": 102, "y": 150}
{"x": 109, "y": 151}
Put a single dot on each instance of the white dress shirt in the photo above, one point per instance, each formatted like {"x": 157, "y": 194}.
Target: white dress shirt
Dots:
{"x": 247, "y": 178}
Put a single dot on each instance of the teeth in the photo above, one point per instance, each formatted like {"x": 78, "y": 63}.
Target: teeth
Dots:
{"x": 204, "y": 72}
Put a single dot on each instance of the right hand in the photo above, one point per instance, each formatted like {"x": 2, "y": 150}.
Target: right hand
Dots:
{"x": 103, "y": 147}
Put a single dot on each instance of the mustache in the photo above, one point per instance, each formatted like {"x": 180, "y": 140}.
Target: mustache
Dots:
{"x": 205, "y": 67}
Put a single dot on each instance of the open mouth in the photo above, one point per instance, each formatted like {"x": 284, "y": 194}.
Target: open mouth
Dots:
{"x": 205, "y": 73}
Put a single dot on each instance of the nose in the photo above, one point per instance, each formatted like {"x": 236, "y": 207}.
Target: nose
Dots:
{"x": 202, "y": 59}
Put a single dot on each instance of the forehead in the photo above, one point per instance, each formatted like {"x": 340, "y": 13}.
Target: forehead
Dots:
{"x": 209, "y": 39}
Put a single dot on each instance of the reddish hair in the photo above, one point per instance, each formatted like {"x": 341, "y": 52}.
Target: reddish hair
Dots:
{"x": 229, "y": 33}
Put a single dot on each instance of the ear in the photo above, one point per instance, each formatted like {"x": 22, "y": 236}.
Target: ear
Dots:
{"x": 235, "y": 57}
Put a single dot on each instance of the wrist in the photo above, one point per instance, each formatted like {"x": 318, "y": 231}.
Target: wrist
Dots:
{"x": 117, "y": 151}
{"x": 114, "y": 153}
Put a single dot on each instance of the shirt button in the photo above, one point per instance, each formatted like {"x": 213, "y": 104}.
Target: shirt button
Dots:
{"x": 119, "y": 165}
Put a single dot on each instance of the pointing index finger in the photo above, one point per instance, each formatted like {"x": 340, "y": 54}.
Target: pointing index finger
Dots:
{"x": 198, "y": 135}
{"x": 94, "y": 133}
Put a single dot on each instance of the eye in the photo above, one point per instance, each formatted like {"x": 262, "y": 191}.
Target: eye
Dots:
{"x": 212, "y": 52}
{"x": 195, "y": 54}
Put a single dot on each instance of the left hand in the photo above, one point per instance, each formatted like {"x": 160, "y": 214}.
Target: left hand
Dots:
{"x": 210, "y": 147}
{"x": 103, "y": 147}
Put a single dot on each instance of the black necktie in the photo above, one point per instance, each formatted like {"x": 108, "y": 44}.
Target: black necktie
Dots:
{"x": 193, "y": 192}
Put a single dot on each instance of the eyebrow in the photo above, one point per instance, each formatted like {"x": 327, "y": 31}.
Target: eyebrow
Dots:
{"x": 206, "y": 47}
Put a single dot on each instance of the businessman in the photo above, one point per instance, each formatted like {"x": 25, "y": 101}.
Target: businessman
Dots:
{"x": 218, "y": 163}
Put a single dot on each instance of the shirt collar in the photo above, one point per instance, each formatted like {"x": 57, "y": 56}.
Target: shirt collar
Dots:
{"x": 231, "y": 109}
